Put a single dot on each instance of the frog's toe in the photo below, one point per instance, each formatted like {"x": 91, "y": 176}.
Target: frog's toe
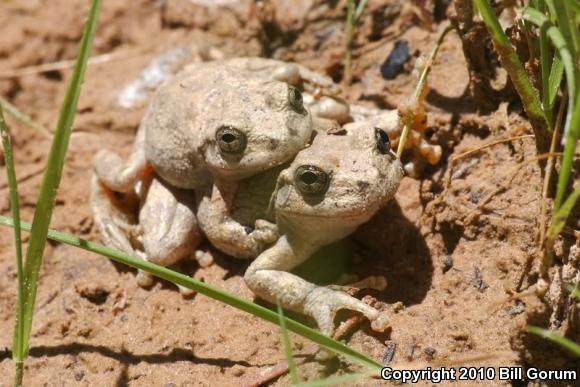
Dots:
{"x": 144, "y": 279}
{"x": 410, "y": 169}
{"x": 381, "y": 323}
{"x": 265, "y": 232}
{"x": 323, "y": 303}
{"x": 203, "y": 258}
{"x": 186, "y": 292}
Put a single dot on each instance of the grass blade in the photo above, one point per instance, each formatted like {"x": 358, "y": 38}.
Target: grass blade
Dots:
{"x": 544, "y": 63}
{"x": 359, "y": 10}
{"x": 206, "y": 290}
{"x": 511, "y": 62}
{"x": 574, "y": 6}
{"x": 556, "y": 338}
{"x": 23, "y": 118}
{"x": 559, "y": 10}
{"x": 561, "y": 215}
{"x": 566, "y": 54}
{"x": 287, "y": 345}
{"x": 556, "y": 74}
{"x": 52, "y": 175}
{"x": 568, "y": 158}
{"x": 18, "y": 348}
{"x": 575, "y": 290}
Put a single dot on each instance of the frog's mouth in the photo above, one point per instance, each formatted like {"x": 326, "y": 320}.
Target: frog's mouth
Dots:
{"x": 284, "y": 209}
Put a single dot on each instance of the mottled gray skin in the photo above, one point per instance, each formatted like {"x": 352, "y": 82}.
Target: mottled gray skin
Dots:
{"x": 248, "y": 215}
{"x": 177, "y": 143}
{"x": 251, "y": 204}
{"x": 362, "y": 178}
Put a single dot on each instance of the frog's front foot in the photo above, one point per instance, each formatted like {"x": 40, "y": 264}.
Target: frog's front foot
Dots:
{"x": 265, "y": 232}
{"x": 323, "y": 303}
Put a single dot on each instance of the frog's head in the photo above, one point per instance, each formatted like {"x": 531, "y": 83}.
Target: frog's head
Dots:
{"x": 339, "y": 182}
{"x": 253, "y": 125}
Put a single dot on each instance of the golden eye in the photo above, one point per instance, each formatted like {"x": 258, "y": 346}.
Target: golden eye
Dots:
{"x": 311, "y": 180}
{"x": 295, "y": 99}
{"x": 383, "y": 142}
{"x": 230, "y": 140}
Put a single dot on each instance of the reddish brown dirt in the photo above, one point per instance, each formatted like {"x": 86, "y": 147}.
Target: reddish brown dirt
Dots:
{"x": 440, "y": 315}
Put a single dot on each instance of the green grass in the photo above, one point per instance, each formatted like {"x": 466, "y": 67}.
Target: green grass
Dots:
{"x": 15, "y": 207}
{"x": 558, "y": 39}
{"x": 564, "y": 342}
{"x": 353, "y": 14}
{"x": 207, "y": 290}
{"x": 23, "y": 118}
{"x": 287, "y": 344}
{"x": 512, "y": 64}
{"x": 28, "y": 271}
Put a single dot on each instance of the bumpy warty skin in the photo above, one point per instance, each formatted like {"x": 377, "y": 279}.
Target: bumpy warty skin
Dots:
{"x": 331, "y": 188}
{"x": 187, "y": 111}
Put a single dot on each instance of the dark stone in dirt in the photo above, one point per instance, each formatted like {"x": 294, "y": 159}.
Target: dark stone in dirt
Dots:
{"x": 79, "y": 375}
{"x": 478, "y": 281}
{"x": 389, "y": 352}
{"x": 518, "y": 308}
{"x": 430, "y": 352}
{"x": 447, "y": 263}
{"x": 394, "y": 63}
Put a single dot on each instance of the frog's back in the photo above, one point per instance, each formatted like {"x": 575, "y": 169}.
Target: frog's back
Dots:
{"x": 173, "y": 132}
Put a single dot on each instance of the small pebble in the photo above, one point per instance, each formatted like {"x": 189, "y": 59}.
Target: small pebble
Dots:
{"x": 410, "y": 350}
{"x": 238, "y": 370}
{"x": 430, "y": 352}
{"x": 478, "y": 281}
{"x": 447, "y": 263}
{"x": 79, "y": 375}
{"x": 518, "y": 308}
{"x": 394, "y": 63}
{"x": 474, "y": 197}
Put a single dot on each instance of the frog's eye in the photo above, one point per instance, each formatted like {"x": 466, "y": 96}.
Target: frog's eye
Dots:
{"x": 311, "y": 180}
{"x": 383, "y": 142}
{"x": 230, "y": 140}
{"x": 295, "y": 99}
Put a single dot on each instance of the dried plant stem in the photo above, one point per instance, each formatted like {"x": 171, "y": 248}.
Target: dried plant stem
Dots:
{"x": 420, "y": 89}
{"x": 68, "y": 64}
{"x": 542, "y": 226}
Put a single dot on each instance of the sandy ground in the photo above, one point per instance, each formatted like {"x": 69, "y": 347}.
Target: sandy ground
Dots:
{"x": 451, "y": 250}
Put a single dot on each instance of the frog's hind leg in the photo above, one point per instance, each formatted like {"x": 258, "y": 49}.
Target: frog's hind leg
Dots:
{"x": 170, "y": 231}
{"x": 115, "y": 216}
{"x": 164, "y": 231}
{"x": 117, "y": 175}
{"x": 269, "y": 277}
